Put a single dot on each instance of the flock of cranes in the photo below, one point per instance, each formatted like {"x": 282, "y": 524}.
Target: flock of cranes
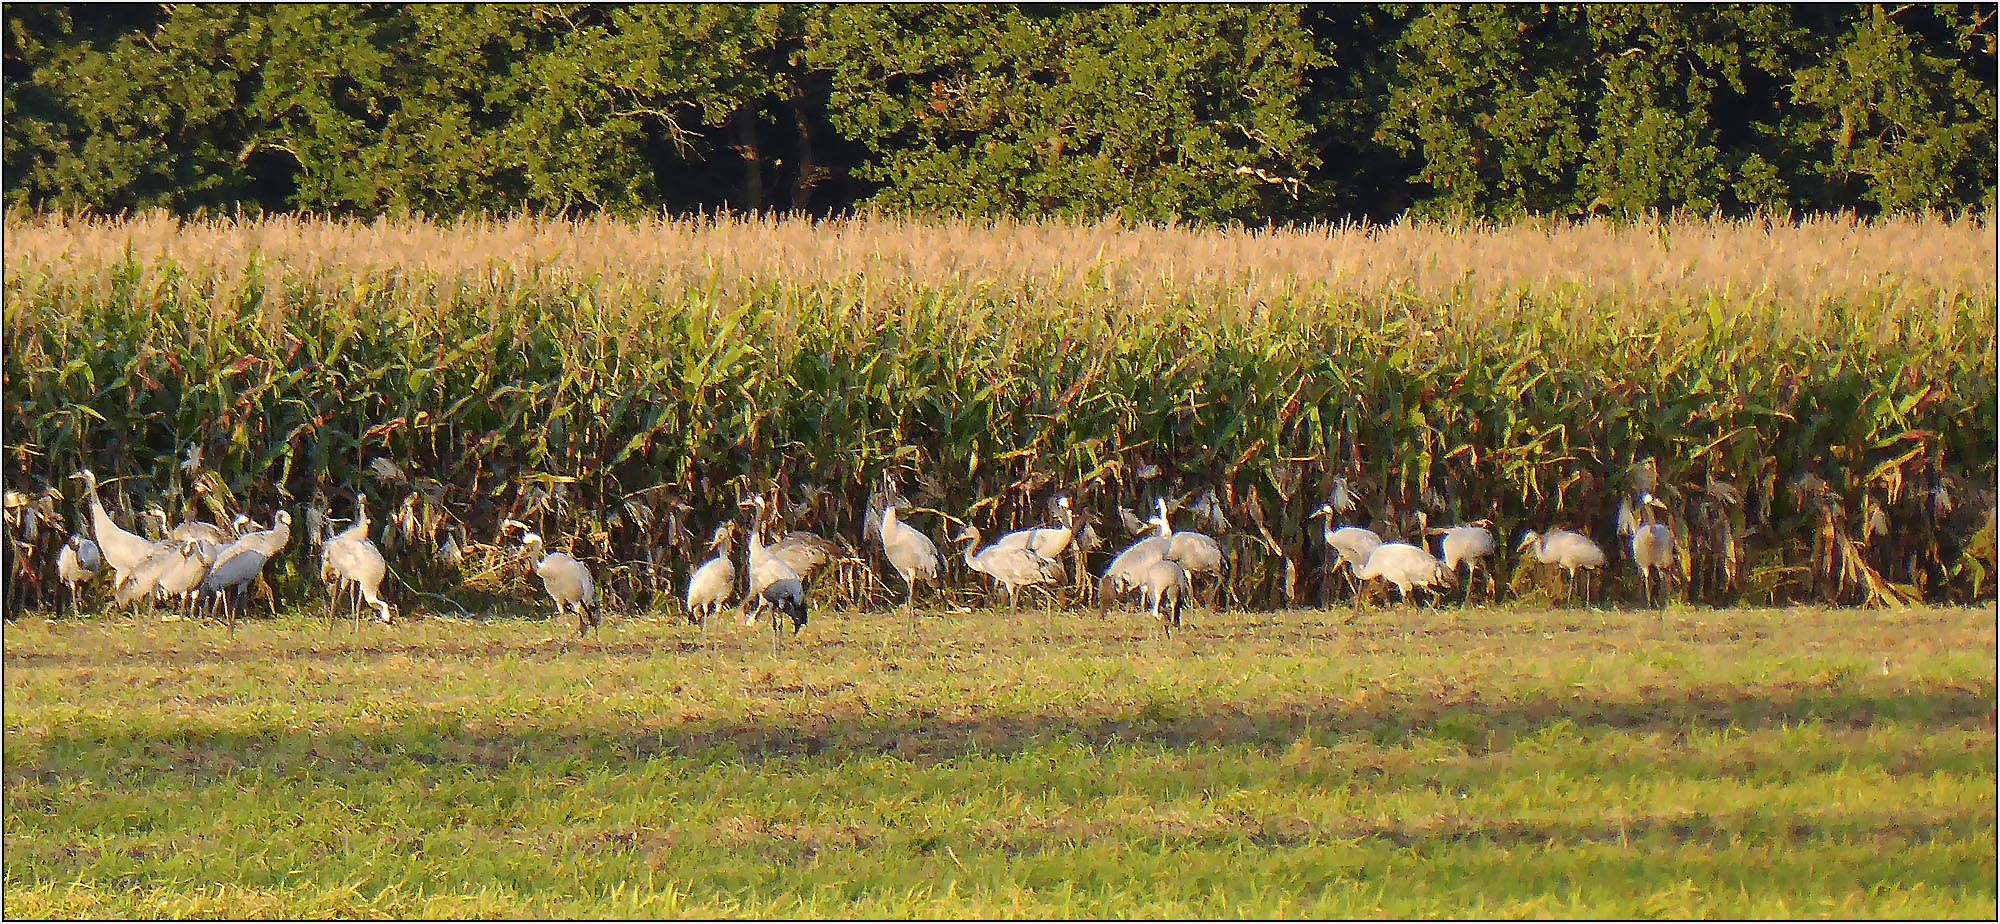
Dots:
{"x": 201, "y": 568}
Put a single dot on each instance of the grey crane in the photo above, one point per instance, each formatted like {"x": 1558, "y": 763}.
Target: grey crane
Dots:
{"x": 911, "y": 552}
{"x": 1652, "y": 545}
{"x": 76, "y": 564}
{"x": 241, "y": 562}
{"x": 1128, "y": 569}
{"x": 140, "y": 582}
{"x": 1166, "y": 588}
{"x": 566, "y": 580}
{"x": 183, "y": 578}
{"x": 1011, "y": 568}
{"x": 1197, "y": 553}
{"x": 1469, "y": 544}
{"x": 806, "y": 553}
{"x": 709, "y": 588}
{"x": 773, "y": 585}
{"x": 1573, "y": 552}
{"x": 121, "y": 549}
{"x": 1351, "y": 544}
{"x": 1404, "y": 565}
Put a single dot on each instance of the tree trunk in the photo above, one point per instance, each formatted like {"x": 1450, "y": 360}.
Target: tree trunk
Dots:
{"x": 743, "y": 128}
{"x": 802, "y": 177}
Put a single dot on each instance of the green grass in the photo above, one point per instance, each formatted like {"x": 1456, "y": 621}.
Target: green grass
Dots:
{"x": 1757, "y": 763}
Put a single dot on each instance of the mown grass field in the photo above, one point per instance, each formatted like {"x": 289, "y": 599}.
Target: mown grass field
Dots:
{"x": 1800, "y": 762}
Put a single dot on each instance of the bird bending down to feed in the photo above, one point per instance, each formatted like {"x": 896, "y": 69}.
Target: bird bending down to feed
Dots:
{"x": 1166, "y": 589}
{"x": 1405, "y": 566}
{"x": 181, "y": 583}
{"x": 565, "y": 579}
{"x": 1573, "y": 552}
{"x": 1470, "y": 545}
{"x": 1652, "y": 546}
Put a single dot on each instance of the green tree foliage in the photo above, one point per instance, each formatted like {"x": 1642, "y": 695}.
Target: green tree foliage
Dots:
{"x": 1213, "y": 114}
{"x": 1154, "y": 112}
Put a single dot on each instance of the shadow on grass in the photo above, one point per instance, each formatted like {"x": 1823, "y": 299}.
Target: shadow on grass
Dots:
{"x": 1462, "y": 720}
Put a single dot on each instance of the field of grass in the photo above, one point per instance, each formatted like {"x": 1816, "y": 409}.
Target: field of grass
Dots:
{"x": 1502, "y": 762}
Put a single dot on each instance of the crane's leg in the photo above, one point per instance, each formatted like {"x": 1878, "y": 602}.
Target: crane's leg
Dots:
{"x": 1469, "y": 569}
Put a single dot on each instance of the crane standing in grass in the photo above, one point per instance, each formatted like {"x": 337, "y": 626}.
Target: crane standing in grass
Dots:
{"x": 242, "y": 561}
{"x": 1405, "y": 566}
{"x": 709, "y": 588}
{"x": 76, "y": 564}
{"x": 911, "y": 552}
{"x": 1573, "y": 552}
{"x": 121, "y": 549}
{"x": 566, "y": 580}
{"x": 1166, "y": 588}
{"x": 1469, "y": 545}
{"x": 352, "y": 567}
{"x": 1351, "y": 547}
{"x": 1652, "y": 546}
{"x": 773, "y": 585}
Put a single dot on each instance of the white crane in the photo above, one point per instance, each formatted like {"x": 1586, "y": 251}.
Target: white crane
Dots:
{"x": 351, "y": 564}
{"x": 566, "y": 580}
{"x": 709, "y": 589}
{"x": 1652, "y": 545}
{"x": 1404, "y": 565}
{"x": 76, "y": 564}
{"x": 1573, "y": 552}
{"x": 1166, "y": 588}
{"x": 120, "y": 549}
{"x": 358, "y": 566}
{"x": 1128, "y": 569}
{"x": 911, "y": 552}
{"x": 1469, "y": 544}
{"x": 1351, "y": 544}
{"x": 1047, "y": 541}
{"x": 1011, "y": 568}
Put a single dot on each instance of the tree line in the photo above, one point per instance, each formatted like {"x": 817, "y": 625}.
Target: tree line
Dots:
{"x": 1210, "y": 114}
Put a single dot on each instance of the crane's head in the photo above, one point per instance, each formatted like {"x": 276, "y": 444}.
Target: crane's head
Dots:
{"x": 1528, "y": 540}
{"x": 1063, "y": 501}
{"x": 85, "y": 475}
{"x": 970, "y": 534}
{"x": 1648, "y": 500}
{"x": 1325, "y": 510}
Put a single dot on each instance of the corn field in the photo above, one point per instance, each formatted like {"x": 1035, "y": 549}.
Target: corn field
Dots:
{"x": 1814, "y": 401}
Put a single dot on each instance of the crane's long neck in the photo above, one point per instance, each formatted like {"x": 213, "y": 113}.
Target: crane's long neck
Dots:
{"x": 971, "y": 545}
